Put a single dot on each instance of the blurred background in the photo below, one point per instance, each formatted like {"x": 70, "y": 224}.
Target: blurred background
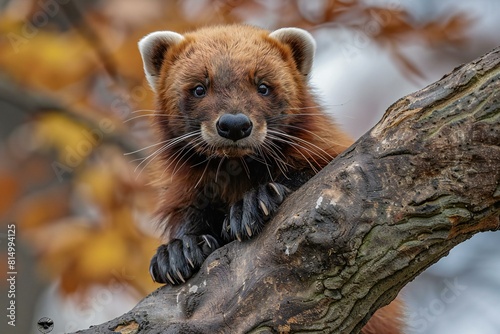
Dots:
{"x": 74, "y": 133}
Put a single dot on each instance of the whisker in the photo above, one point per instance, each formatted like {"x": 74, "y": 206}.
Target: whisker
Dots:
{"x": 190, "y": 148}
{"x": 282, "y": 165}
{"x": 296, "y": 147}
{"x": 173, "y": 159}
{"x": 144, "y": 148}
{"x": 172, "y": 117}
{"x": 321, "y": 106}
{"x": 257, "y": 158}
{"x": 157, "y": 112}
{"x": 177, "y": 168}
{"x": 203, "y": 173}
{"x": 245, "y": 167}
{"x": 139, "y": 116}
{"x": 275, "y": 149}
{"x": 305, "y": 142}
{"x": 218, "y": 168}
{"x": 266, "y": 164}
{"x": 283, "y": 116}
{"x": 170, "y": 143}
{"x": 177, "y": 157}
{"x": 202, "y": 162}
{"x": 308, "y": 131}
{"x": 143, "y": 110}
{"x": 311, "y": 155}
{"x": 304, "y": 108}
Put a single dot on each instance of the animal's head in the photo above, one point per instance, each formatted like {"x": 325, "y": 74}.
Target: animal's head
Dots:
{"x": 228, "y": 90}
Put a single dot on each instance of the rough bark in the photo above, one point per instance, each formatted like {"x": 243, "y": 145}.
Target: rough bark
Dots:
{"x": 424, "y": 179}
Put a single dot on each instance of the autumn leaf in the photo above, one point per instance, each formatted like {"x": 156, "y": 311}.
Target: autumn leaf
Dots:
{"x": 10, "y": 188}
{"x": 98, "y": 184}
{"x": 103, "y": 253}
{"x": 45, "y": 60}
{"x": 73, "y": 141}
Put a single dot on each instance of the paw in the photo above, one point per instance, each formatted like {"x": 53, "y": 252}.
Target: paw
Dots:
{"x": 246, "y": 218}
{"x": 178, "y": 260}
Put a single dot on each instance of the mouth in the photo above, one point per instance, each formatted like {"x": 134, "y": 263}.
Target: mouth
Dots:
{"x": 235, "y": 151}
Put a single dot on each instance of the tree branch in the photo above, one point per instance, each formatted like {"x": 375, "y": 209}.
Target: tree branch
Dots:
{"x": 424, "y": 179}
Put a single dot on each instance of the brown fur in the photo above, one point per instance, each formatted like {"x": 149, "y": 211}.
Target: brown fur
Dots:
{"x": 231, "y": 61}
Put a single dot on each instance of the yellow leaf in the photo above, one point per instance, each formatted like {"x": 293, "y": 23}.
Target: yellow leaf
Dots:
{"x": 104, "y": 253}
{"x": 42, "y": 59}
{"x": 98, "y": 184}
{"x": 73, "y": 140}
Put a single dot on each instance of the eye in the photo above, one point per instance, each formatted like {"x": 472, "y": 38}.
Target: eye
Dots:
{"x": 199, "y": 91}
{"x": 263, "y": 90}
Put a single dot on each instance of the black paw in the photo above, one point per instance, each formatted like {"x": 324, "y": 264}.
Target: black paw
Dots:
{"x": 178, "y": 260}
{"x": 246, "y": 218}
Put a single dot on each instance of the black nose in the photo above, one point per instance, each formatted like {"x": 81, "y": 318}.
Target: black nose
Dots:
{"x": 234, "y": 127}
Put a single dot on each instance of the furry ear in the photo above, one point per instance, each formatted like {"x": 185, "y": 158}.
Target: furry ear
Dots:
{"x": 302, "y": 45}
{"x": 153, "y": 48}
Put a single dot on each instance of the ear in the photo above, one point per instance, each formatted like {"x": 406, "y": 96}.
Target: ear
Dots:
{"x": 153, "y": 48}
{"x": 302, "y": 45}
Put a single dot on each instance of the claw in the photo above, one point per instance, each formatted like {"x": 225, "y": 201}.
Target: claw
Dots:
{"x": 264, "y": 208}
{"x": 190, "y": 262}
{"x": 170, "y": 279}
{"x": 180, "y": 276}
{"x": 151, "y": 273}
{"x": 276, "y": 190}
{"x": 249, "y": 231}
{"x": 206, "y": 240}
{"x": 238, "y": 237}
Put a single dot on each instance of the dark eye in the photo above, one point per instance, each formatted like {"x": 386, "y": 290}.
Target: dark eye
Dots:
{"x": 199, "y": 91}
{"x": 263, "y": 90}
